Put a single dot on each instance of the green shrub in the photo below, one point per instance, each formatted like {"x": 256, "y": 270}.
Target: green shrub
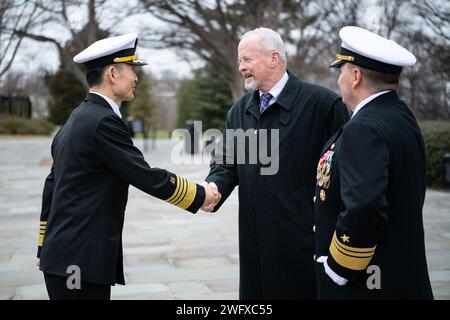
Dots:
{"x": 437, "y": 143}
{"x": 16, "y": 125}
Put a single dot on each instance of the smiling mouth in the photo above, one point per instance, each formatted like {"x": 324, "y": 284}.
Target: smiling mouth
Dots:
{"x": 247, "y": 75}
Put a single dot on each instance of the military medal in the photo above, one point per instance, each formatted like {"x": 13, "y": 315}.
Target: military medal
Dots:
{"x": 324, "y": 172}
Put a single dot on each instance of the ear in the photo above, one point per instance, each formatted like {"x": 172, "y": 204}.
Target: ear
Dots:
{"x": 109, "y": 76}
{"x": 275, "y": 56}
{"x": 356, "y": 77}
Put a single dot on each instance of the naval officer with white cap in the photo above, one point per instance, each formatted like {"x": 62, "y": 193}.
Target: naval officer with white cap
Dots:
{"x": 371, "y": 181}
{"x": 95, "y": 161}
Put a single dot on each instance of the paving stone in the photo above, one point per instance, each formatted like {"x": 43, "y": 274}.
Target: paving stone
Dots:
{"x": 189, "y": 287}
{"x": 204, "y": 262}
{"x": 168, "y": 253}
{"x": 33, "y": 292}
{"x": 119, "y": 291}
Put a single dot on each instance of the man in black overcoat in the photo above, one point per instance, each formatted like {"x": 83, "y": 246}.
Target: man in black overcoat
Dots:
{"x": 269, "y": 148}
{"x": 371, "y": 182}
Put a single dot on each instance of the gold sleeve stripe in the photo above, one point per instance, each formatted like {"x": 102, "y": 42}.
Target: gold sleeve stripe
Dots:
{"x": 191, "y": 192}
{"x": 353, "y": 249}
{"x": 183, "y": 192}
{"x": 349, "y": 260}
{"x": 42, "y": 227}
{"x": 351, "y": 253}
{"x": 40, "y": 241}
{"x": 175, "y": 194}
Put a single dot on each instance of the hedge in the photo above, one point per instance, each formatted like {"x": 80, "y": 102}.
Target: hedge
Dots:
{"x": 16, "y": 125}
{"x": 437, "y": 143}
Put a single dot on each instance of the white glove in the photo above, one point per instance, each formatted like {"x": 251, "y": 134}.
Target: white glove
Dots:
{"x": 333, "y": 275}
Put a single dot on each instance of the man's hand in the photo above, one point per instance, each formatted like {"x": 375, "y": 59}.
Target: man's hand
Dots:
{"x": 37, "y": 263}
{"x": 212, "y": 196}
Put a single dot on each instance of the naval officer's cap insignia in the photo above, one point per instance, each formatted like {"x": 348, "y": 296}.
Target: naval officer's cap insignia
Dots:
{"x": 121, "y": 49}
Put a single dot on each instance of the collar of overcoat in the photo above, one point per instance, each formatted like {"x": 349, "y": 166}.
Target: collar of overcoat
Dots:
{"x": 287, "y": 96}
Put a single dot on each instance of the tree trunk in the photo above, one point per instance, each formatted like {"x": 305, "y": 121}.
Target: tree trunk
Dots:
{"x": 236, "y": 86}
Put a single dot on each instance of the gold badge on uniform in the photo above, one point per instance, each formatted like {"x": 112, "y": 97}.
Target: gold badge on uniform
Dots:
{"x": 172, "y": 180}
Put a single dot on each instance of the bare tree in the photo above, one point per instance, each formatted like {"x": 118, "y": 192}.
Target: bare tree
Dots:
{"x": 426, "y": 34}
{"x": 14, "y": 15}
{"x": 390, "y": 19}
{"x": 436, "y": 15}
{"x": 56, "y": 16}
{"x": 212, "y": 29}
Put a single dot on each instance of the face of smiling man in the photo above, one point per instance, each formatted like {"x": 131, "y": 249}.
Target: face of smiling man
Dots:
{"x": 254, "y": 64}
{"x": 126, "y": 82}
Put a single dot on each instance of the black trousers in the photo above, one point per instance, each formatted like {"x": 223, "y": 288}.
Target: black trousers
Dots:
{"x": 57, "y": 289}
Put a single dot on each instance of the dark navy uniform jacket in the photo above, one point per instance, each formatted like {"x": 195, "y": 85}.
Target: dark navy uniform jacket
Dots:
{"x": 276, "y": 240}
{"x": 368, "y": 206}
{"x": 86, "y": 193}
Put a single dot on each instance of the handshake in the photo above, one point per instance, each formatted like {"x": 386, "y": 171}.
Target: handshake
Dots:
{"x": 212, "y": 196}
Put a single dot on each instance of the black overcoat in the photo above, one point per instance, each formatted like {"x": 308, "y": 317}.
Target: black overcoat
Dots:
{"x": 369, "y": 204}
{"x": 86, "y": 192}
{"x": 276, "y": 240}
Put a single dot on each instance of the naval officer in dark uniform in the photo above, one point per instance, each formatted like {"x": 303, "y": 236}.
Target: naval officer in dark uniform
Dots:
{"x": 291, "y": 119}
{"x": 371, "y": 182}
{"x": 86, "y": 192}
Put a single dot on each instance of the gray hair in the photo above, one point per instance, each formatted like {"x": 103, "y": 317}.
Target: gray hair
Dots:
{"x": 269, "y": 40}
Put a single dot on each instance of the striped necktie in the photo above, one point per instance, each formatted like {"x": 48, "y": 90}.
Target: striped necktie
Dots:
{"x": 265, "y": 99}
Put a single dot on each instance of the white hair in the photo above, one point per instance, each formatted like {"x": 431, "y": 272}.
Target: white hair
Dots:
{"x": 269, "y": 40}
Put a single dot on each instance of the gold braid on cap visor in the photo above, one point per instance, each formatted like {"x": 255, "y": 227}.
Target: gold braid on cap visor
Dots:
{"x": 125, "y": 59}
{"x": 344, "y": 58}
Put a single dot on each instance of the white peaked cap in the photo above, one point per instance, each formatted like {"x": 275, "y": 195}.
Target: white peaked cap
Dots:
{"x": 120, "y": 49}
{"x": 369, "y": 50}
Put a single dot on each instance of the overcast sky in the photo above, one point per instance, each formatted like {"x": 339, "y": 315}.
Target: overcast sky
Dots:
{"x": 34, "y": 56}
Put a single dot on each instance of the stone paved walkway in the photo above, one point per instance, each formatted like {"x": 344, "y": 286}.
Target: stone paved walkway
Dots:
{"x": 168, "y": 253}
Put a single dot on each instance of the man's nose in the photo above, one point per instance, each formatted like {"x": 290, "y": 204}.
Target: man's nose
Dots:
{"x": 242, "y": 67}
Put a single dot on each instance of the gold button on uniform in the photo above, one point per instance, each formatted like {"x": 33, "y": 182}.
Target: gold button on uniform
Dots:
{"x": 314, "y": 258}
{"x": 314, "y": 199}
{"x": 332, "y": 146}
{"x": 314, "y": 228}
{"x": 323, "y": 195}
